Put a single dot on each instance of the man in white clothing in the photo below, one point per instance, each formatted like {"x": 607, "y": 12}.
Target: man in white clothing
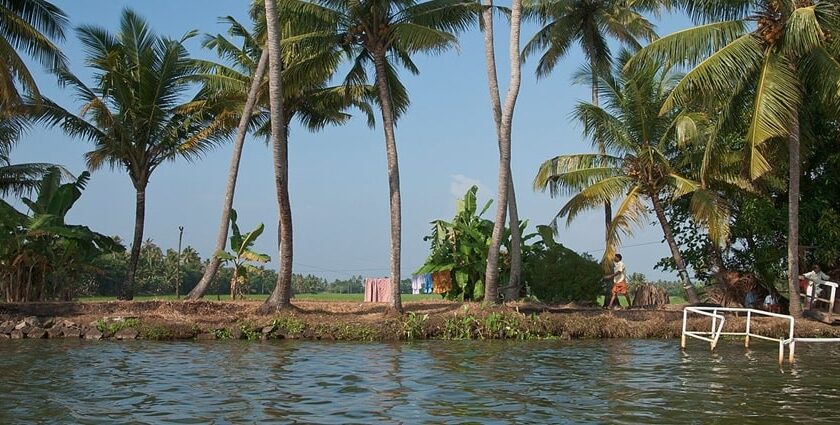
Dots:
{"x": 816, "y": 278}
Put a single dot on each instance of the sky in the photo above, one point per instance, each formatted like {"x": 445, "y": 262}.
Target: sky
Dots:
{"x": 338, "y": 177}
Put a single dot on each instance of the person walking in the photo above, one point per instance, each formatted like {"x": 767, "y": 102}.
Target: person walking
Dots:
{"x": 619, "y": 282}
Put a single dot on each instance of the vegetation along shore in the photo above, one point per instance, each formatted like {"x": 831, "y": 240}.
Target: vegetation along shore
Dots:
{"x": 351, "y": 321}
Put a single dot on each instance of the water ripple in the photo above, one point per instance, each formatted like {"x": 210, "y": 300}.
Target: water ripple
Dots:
{"x": 436, "y": 382}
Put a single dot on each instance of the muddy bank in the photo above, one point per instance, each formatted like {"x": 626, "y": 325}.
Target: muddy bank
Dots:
{"x": 204, "y": 320}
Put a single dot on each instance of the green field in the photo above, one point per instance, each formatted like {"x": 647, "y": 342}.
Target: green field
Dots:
{"x": 319, "y": 297}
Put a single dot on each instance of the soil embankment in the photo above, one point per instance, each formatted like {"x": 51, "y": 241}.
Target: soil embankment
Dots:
{"x": 205, "y": 320}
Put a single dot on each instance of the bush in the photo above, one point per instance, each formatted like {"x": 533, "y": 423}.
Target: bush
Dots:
{"x": 555, "y": 273}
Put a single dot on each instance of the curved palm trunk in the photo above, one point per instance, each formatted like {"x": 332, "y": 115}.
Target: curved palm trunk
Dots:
{"x": 514, "y": 285}
{"x": 127, "y": 291}
{"x": 690, "y": 293}
{"x": 491, "y": 284}
{"x": 793, "y": 217}
{"x": 393, "y": 176}
{"x": 233, "y": 173}
{"x": 281, "y": 296}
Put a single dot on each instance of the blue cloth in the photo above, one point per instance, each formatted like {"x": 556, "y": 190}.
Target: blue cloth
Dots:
{"x": 427, "y": 283}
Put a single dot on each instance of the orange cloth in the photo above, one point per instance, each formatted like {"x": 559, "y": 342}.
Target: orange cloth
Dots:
{"x": 620, "y": 287}
{"x": 441, "y": 282}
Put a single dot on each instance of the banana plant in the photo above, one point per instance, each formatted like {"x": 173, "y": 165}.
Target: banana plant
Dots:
{"x": 41, "y": 255}
{"x": 241, "y": 256}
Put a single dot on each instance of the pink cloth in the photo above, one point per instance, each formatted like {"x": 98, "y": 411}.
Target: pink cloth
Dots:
{"x": 378, "y": 290}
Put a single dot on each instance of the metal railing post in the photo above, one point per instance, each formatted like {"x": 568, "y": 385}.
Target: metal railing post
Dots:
{"x": 791, "y": 348}
{"x": 781, "y": 352}
{"x": 747, "y": 338}
{"x": 685, "y": 320}
{"x": 714, "y": 322}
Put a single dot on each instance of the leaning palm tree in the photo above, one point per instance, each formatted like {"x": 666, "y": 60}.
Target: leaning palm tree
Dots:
{"x": 31, "y": 26}
{"x": 384, "y": 34}
{"x": 791, "y": 49}
{"x": 640, "y": 166}
{"x": 307, "y": 96}
{"x": 134, "y": 114}
{"x": 590, "y": 24}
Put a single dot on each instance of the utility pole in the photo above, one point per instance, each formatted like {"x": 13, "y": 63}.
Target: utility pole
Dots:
{"x": 178, "y": 277}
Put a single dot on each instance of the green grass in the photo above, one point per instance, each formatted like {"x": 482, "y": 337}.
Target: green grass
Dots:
{"x": 299, "y": 297}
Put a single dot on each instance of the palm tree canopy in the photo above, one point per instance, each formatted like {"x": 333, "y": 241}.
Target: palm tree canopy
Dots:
{"x": 134, "y": 113}
{"x": 789, "y": 51}
{"x": 590, "y": 24}
{"x": 31, "y": 27}
{"x": 306, "y": 74}
{"x": 396, "y": 28}
{"x": 19, "y": 179}
{"x": 643, "y": 156}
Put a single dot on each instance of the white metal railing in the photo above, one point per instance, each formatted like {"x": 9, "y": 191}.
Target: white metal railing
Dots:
{"x": 718, "y": 320}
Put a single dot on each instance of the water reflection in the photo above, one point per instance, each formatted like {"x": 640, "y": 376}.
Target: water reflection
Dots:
{"x": 621, "y": 381}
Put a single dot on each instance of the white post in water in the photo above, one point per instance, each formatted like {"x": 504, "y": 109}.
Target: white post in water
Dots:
{"x": 781, "y": 352}
{"x": 685, "y": 319}
{"x": 792, "y": 348}
{"x": 747, "y": 338}
{"x": 714, "y": 322}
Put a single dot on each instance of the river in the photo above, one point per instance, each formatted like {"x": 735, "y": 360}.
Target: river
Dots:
{"x": 488, "y": 382}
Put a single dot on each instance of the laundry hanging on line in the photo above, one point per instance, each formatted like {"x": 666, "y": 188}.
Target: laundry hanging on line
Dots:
{"x": 441, "y": 282}
{"x": 378, "y": 290}
{"x": 421, "y": 283}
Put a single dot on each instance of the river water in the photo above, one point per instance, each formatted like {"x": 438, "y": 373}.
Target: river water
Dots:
{"x": 488, "y": 382}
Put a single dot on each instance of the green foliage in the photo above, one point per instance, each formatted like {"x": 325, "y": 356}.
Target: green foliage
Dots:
{"x": 41, "y": 256}
{"x": 115, "y": 326}
{"x": 222, "y": 333}
{"x": 413, "y": 324}
{"x": 242, "y": 256}
{"x": 555, "y": 273}
{"x": 290, "y": 324}
{"x": 250, "y": 332}
{"x": 460, "y": 246}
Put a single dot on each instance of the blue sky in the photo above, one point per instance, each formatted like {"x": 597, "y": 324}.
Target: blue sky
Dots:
{"x": 338, "y": 180}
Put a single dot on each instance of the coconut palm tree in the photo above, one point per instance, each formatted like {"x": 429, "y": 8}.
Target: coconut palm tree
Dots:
{"x": 790, "y": 50}
{"x": 135, "y": 114}
{"x": 590, "y": 24}
{"x": 641, "y": 164}
{"x": 307, "y": 96}
{"x": 31, "y": 26}
{"x": 504, "y": 123}
{"x": 514, "y": 286}
{"x": 384, "y": 34}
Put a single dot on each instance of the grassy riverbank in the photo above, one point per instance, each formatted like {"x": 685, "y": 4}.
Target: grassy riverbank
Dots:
{"x": 203, "y": 320}
{"x": 326, "y": 297}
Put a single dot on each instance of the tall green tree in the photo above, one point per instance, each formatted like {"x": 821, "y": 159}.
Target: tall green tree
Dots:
{"x": 590, "y": 24}
{"x": 641, "y": 165}
{"x": 385, "y": 34}
{"x": 33, "y": 27}
{"x": 789, "y": 53}
{"x": 135, "y": 113}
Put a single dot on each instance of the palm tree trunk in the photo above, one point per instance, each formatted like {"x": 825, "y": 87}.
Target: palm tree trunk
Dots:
{"x": 127, "y": 291}
{"x": 233, "y": 173}
{"x": 602, "y": 151}
{"x": 793, "y": 217}
{"x": 281, "y": 296}
{"x": 393, "y": 176}
{"x": 514, "y": 285}
{"x": 491, "y": 283}
{"x": 690, "y": 293}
